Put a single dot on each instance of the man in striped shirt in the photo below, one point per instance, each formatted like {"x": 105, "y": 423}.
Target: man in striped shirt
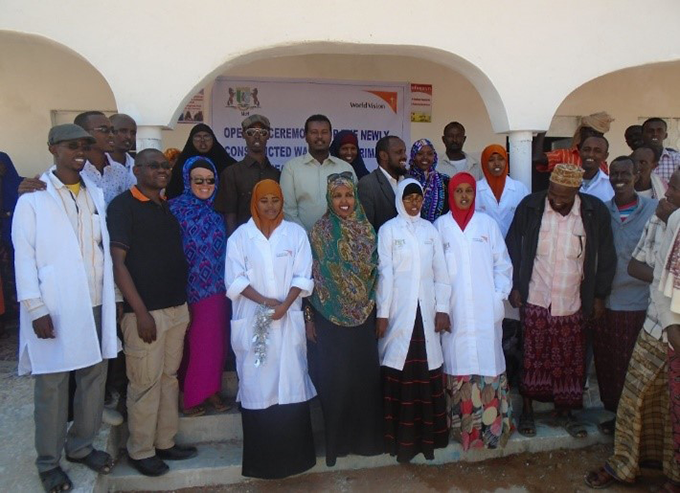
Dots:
{"x": 654, "y": 132}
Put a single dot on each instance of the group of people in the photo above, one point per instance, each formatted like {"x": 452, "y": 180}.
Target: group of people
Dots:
{"x": 382, "y": 292}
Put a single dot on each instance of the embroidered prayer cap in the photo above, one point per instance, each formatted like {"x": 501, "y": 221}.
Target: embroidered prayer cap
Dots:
{"x": 253, "y": 119}
{"x": 567, "y": 175}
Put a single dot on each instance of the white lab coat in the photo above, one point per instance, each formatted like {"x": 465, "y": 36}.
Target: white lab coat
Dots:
{"x": 482, "y": 280}
{"x": 412, "y": 272}
{"x": 503, "y": 212}
{"x": 49, "y": 266}
{"x": 271, "y": 266}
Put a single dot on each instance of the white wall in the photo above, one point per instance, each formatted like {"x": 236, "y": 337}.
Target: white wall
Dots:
{"x": 35, "y": 78}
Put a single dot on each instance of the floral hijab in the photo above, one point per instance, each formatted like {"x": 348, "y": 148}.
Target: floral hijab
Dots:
{"x": 345, "y": 267}
{"x": 433, "y": 183}
{"x": 204, "y": 235}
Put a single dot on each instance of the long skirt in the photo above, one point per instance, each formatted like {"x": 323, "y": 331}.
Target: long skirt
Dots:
{"x": 674, "y": 386}
{"x": 414, "y": 403}
{"x": 277, "y": 441}
{"x": 480, "y": 410}
{"x": 200, "y": 373}
{"x": 613, "y": 342}
{"x": 643, "y": 425}
{"x": 348, "y": 385}
{"x": 554, "y": 357}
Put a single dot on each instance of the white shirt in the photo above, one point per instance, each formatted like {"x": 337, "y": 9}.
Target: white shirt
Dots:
{"x": 50, "y": 266}
{"x": 504, "y": 211}
{"x": 114, "y": 180}
{"x": 272, "y": 267}
{"x": 393, "y": 183}
{"x": 412, "y": 273}
{"x": 129, "y": 164}
{"x": 449, "y": 168}
{"x": 481, "y": 276}
{"x": 599, "y": 187}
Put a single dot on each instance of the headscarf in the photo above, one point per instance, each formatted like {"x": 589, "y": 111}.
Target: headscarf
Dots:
{"x": 217, "y": 155}
{"x": 497, "y": 183}
{"x": 345, "y": 267}
{"x": 204, "y": 236}
{"x": 434, "y": 186}
{"x": 462, "y": 216}
{"x": 171, "y": 153}
{"x": 262, "y": 188}
{"x": 399, "y": 201}
{"x": 348, "y": 137}
{"x": 597, "y": 121}
{"x": 10, "y": 195}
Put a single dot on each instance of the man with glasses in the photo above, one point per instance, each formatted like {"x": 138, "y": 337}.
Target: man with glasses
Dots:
{"x": 236, "y": 182}
{"x": 151, "y": 272}
{"x": 65, "y": 284}
{"x": 124, "y": 140}
{"x": 304, "y": 178}
{"x": 112, "y": 177}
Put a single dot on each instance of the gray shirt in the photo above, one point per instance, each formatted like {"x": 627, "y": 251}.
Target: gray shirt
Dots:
{"x": 628, "y": 293}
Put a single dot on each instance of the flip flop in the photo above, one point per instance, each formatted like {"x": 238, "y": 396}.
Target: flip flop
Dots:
{"x": 97, "y": 460}
{"x": 527, "y": 425}
{"x": 218, "y": 404}
{"x": 607, "y": 427}
{"x": 574, "y": 427}
{"x": 193, "y": 412}
{"x": 55, "y": 480}
{"x": 599, "y": 480}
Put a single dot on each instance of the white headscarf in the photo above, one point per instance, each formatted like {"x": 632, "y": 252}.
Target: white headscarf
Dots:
{"x": 399, "y": 202}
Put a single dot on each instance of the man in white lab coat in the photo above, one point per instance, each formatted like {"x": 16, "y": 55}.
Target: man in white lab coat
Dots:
{"x": 64, "y": 279}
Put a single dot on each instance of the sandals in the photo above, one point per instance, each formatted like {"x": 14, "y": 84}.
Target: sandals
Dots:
{"x": 527, "y": 425}
{"x": 574, "y": 427}
{"x": 218, "y": 404}
{"x": 55, "y": 480}
{"x": 607, "y": 427}
{"x": 193, "y": 412}
{"x": 599, "y": 479}
{"x": 97, "y": 460}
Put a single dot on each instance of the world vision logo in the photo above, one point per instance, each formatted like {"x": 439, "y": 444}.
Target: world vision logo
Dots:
{"x": 391, "y": 98}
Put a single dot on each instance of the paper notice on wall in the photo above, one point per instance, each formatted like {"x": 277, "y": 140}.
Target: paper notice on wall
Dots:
{"x": 193, "y": 111}
{"x": 421, "y": 103}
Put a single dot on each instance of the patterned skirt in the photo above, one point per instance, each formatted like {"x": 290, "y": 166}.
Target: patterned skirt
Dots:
{"x": 554, "y": 357}
{"x": 480, "y": 410}
{"x": 674, "y": 385}
{"x": 414, "y": 404}
{"x": 643, "y": 425}
{"x": 613, "y": 342}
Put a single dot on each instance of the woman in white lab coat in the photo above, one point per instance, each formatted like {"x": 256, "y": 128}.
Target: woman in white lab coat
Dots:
{"x": 497, "y": 194}
{"x": 481, "y": 277}
{"x": 269, "y": 266}
{"x": 413, "y": 303}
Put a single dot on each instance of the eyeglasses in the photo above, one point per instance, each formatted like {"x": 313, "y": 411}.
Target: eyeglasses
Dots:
{"x": 347, "y": 175}
{"x": 201, "y": 181}
{"x": 75, "y": 146}
{"x": 156, "y": 166}
{"x": 104, "y": 129}
{"x": 252, "y": 132}
{"x": 203, "y": 138}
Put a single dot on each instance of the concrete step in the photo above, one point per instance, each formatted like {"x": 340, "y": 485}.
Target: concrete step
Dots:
{"x": 220, "y": 463}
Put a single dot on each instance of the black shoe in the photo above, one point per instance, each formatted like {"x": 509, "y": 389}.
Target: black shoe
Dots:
{"x": 151, "y": 466}
{"x": 177, "y": 452}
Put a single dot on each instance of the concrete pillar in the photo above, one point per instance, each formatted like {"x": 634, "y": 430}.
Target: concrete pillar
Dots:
{"x": 149, "y": 137}
{"x": 520, "y": 156}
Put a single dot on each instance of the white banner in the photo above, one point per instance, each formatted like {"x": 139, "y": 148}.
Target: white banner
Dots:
{"x": 370, "y": 109}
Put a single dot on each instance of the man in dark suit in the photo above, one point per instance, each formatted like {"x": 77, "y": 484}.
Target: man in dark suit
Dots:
{"x": 377, "y": 189}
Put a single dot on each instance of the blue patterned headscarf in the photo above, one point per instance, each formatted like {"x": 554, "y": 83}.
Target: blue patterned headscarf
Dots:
{"x": 434, "y": 184}
{"x": 204, "y": 236}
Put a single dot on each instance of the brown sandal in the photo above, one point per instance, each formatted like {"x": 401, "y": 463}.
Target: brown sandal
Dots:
{"x": 193, "y": 412}
{"x": 599, "y": 480}
{"x": 218, "y": 404}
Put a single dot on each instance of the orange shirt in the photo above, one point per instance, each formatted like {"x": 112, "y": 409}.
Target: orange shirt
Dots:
{"x": 565, "y": 156}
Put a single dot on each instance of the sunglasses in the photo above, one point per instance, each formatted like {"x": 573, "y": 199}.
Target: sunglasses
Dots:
{"x": 252, "y": 132}
{"x": 201, "y": 181}
{"x": 347, "y": 175}
{"x": 75, "y": 146}
{"x": 104, "y": 129}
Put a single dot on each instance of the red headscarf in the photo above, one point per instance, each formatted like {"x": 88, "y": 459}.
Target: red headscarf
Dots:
{"x": 262, "y": 188}
{"x": 497, "y": 183}
{"x": 462, "y": 216}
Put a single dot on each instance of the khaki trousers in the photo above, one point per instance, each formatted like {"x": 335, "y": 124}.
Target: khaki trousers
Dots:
{"x": 153, "y": 391}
